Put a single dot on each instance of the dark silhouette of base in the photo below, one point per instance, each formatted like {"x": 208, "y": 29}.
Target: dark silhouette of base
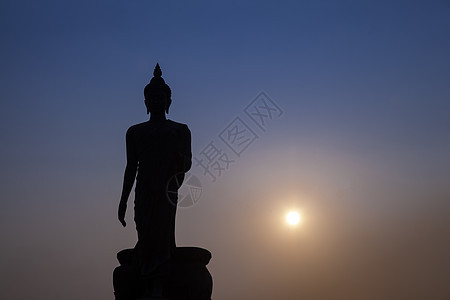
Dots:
{"x": 189, "y": 278}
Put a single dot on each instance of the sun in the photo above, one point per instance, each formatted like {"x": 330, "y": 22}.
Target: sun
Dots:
{"x": 293, "y": 218}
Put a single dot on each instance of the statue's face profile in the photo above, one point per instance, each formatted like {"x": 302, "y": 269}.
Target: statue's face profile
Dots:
{"x": 156, "y": 102}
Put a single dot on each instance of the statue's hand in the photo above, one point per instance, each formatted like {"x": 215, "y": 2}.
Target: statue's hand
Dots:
{"x": 122, "y": 210}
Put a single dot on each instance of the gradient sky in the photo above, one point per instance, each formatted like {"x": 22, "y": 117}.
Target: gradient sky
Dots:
{"x": 361, "y": 149}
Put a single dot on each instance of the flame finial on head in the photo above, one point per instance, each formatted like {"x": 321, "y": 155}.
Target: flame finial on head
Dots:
{"x": 157, "y": 72}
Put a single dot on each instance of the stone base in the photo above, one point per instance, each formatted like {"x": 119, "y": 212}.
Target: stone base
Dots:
{"x": 189, "y": 278}
{"x": 153, "y": 299}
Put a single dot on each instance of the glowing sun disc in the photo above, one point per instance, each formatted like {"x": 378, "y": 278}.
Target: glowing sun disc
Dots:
{"x": 293, "y": 218}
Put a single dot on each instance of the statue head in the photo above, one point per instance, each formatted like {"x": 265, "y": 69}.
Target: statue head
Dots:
{"x": 157, "y": 93}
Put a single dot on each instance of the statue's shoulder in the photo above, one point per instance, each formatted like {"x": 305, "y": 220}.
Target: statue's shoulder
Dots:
{"x": 134, "y": 129}
{"x": 177, "y": 125}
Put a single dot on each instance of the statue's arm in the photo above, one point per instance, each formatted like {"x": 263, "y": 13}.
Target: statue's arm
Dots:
{"x": 129, "y": 176}
{"x": 186, "y": 154}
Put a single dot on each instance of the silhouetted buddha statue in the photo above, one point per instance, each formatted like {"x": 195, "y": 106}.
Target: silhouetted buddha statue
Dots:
{"x": 157, "y": 150}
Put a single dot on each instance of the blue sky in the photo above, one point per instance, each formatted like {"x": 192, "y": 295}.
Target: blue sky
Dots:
{"x": 361, "y": 148}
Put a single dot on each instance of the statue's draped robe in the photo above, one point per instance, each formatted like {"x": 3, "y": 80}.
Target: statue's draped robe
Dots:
{"x": 161, "y": 150}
